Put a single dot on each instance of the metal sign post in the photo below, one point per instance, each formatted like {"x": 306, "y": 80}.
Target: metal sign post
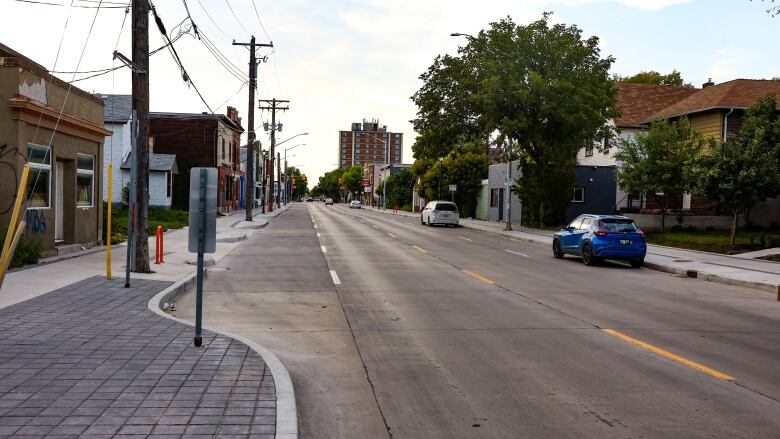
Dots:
{"x": 202, "y": 231}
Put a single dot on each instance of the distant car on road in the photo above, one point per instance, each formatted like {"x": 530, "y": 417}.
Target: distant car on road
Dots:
{"x": 329, "y": 201}
{"x": 597, "y": 237}
{"x": 440, "y": 212}
{"x": 355, "y": 204}
{"x": 309, "y": 199}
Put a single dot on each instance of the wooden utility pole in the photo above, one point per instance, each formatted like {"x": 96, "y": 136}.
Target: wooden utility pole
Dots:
{"x": 273, "y": 105}
{"x": 249, "y": 190}
{"x": 140, "y": 49}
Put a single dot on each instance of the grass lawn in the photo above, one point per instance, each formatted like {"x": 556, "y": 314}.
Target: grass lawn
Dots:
{"x": 167, "y": 218}
{"x": 716, "y": 241}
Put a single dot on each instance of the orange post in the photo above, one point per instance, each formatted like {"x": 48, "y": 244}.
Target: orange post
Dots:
{"x": 158, "y": 255}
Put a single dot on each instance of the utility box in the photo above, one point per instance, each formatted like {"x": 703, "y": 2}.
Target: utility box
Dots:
{"x": 203, "y": 210}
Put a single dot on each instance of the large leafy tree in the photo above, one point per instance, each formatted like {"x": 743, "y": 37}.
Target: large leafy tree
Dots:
{"x": 329, "y": 184}
{"x": 743, "y": 170}
{"x": 399, "y": 188}
{"x": 654, "y": 78}
{"x": 543, "y": 87}
{"x": 352, "y": 180}
{"x": 299, "y": 180}
{"x": 658, "y": 162}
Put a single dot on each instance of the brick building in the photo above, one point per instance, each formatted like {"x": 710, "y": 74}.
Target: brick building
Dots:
{"x": 208, "y": 140}
{"x": 368, "y": 142}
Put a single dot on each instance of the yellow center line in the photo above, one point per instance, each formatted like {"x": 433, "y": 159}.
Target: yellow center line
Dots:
{"x": 482, "y": 278}
{"x": 420, "y": 249}
{"x": 668, "y": 355}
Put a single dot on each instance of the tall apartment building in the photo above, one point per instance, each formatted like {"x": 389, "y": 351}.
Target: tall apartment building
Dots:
{"x": 368, "y": 142}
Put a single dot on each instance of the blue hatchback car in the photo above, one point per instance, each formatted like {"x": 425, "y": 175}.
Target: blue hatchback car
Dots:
{"x": 596, "y": 237}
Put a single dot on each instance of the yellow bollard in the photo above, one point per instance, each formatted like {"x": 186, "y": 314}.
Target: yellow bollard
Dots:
{"x": 11, "y": 235}
{"x": 108, "y": 226}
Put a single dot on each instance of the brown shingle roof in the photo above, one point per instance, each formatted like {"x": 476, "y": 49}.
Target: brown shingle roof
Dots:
{"x": 738, "y": 93}
{"x": 637, "y": 102}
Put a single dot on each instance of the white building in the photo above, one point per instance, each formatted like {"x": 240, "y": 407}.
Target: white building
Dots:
{"x": 118, "y": 119}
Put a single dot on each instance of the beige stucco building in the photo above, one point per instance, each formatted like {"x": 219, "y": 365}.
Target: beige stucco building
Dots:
{"x": 57, "y": 129}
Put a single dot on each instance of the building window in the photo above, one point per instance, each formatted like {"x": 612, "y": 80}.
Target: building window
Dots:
{"x": 223, "y": 149}
{"x": 494, "y": 198}
{"x": 579, "y": 195}
{"x": 39, "y": 178}
{"x": 85, "y": 176}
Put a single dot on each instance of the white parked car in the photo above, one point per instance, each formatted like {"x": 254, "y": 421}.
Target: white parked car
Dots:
{"x": 440, "y": 212}
{"x": 329, "y": 201}
{"x": 355, "y": 204}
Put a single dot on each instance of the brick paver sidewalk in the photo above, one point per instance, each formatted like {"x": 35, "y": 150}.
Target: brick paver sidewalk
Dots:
{"x": 90, "y": 360}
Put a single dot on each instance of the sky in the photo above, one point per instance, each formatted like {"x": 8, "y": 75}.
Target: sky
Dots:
{"x": 338, "y": 62}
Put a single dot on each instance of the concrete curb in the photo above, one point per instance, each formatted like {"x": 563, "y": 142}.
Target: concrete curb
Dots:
{"x": 697, "y": 274}
{"x": 286, "y": 412}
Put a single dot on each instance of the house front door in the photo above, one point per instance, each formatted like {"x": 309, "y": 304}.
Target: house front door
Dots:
{"x": 59, "y": 205}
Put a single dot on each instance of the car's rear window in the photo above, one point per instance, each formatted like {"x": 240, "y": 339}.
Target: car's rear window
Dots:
{"x": 447, "y": 207}
{"x": 618, "y": 225}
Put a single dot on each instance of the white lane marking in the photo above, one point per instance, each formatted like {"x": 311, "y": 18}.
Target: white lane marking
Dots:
{"x": 324, "y": 250}
{"x": 464, "y": 238}
{"x": 335, "y": 277}
{"x": 319, "y": 236}
{"x": 392, "y": 235}
{"x": 375, "y": 227}
{"x": 519, "y": 254}
{"x": 315, "y": 226}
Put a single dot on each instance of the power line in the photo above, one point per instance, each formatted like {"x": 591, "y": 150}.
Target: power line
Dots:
{"x": 212, "y": 20}
{"x": 259, "y": 20}
{"x": 65, "y": 101}
{"x": 172, "y": 50}
{"x": 236, "y": 17}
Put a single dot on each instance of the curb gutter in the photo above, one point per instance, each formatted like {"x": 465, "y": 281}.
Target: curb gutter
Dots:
{"x": 710, "y": 277}
{"x": 286, "y": 413}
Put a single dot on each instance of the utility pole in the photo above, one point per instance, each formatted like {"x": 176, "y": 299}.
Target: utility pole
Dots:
{"x": 249, "y": 191}
{"x": 140, "y": 87}
{"x": 273, "y": 105}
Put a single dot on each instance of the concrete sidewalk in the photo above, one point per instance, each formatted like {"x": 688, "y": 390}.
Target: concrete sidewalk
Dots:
{"x": 731, "y": 270}
{"x": 119, "y": 341}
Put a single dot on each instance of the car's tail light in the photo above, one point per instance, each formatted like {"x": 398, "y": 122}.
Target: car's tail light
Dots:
{"x": 600, "y": 232}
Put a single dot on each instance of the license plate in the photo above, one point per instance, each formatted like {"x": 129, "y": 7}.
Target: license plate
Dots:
{"x": 625, "y": 241}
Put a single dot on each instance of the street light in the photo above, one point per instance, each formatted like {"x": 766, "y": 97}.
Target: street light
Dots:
{"x": 383, "y": 168}
{"x": 458, "y": 34}
{"x": 290, "y": 138}
{"x": 286, "y": 178}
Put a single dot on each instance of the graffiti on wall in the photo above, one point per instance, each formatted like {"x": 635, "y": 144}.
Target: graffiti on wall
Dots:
{"x": 36, "y": 222}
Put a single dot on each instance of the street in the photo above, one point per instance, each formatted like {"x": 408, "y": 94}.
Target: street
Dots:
{"x": 394, "y": 329}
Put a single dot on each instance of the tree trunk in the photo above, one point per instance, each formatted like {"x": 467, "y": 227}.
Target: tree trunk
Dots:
{"x": 734, "y": 228}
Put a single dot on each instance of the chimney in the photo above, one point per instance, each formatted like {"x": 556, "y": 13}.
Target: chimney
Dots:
{"x": 709, "y": 83}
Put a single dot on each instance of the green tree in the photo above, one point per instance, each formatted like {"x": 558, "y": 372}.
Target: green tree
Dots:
{"x": 541, "y": 86}
{"x": 301, "y": 185}
{"x": 657, "y": 162}
{"x": 465, "y": 170}
{"x": 352, "y": 180}
{"x": 329, "y": 184}
{"x": 399, "y": 188}
{"x": 655, "y": 78}
{"x": 743, "y": 170}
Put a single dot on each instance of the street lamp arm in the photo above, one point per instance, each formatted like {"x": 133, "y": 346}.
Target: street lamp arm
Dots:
{"x": 300, "y": 144}
{"x": 290, "y": 138}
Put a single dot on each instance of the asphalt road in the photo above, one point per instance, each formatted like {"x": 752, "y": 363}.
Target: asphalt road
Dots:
{"x": 391, "y": 328}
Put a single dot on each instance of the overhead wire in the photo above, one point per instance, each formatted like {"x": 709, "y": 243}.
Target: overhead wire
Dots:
{"x": 172, "y": 49}
{"x": 65, "y": 101}
{"x": 236, "y": 17}
{"x": 254, "y": 6}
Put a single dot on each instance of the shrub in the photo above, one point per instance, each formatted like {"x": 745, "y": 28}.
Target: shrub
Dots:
{"x": 27, "y": 252}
